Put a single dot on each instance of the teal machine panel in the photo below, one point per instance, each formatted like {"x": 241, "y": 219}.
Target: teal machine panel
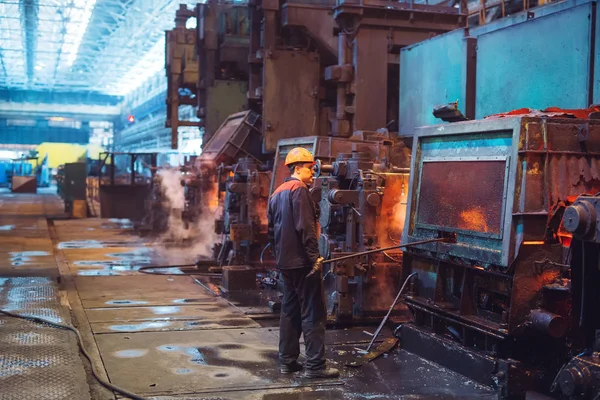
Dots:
{"x": 536, "y": 64}
{"x": 534, "y": 59}
{"x": 432, "y": 72}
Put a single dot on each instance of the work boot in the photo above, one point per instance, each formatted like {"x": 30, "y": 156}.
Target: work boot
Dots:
{"x": 291, "y": 368}
{"x": 322, "y": 373}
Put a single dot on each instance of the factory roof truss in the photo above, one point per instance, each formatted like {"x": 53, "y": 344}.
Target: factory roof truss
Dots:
{"x": 106, "y": 46}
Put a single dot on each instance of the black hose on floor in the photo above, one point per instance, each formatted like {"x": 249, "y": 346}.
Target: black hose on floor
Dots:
{"x": 148, "y": 270}
{"x": 104, "y": 383}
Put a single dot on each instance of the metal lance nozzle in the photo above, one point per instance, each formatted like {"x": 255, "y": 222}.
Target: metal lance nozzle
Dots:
{"x": 364, "y": 253}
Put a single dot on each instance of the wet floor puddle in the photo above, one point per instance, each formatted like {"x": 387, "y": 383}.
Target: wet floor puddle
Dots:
{"x": 94, "y": 244}
{"x": 20, "y": 258}
{"x": 117, "y": 263}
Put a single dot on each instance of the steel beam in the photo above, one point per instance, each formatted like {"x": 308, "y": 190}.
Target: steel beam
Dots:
{"x": 29, "y": 22}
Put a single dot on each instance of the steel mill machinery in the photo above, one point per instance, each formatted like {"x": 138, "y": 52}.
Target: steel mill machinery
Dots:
{"x": 361, "y": 198}
{"x": 496, "y": 305}
{"x": 336, "y": 62}
{"x": 580, "y": 377}
{"x": 125, "y": 183}
{"x": 207, "y": 67}
{"x": 314, "y": 68}
{"x": 232, "y": 173}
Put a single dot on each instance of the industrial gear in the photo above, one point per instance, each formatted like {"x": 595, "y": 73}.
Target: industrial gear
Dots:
{"x": 299, "y": 155}
{"x": 302, "y": 311}
{"x": 293, "y": 226}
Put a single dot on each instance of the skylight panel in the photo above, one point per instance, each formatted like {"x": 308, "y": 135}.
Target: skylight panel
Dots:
{"x": 150, "y": 64}
{"x": 11, "y": 44}
{"x": 77, "y": 19}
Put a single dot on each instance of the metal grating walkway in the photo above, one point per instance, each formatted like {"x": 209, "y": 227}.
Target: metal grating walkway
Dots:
{"x": 37, "y": 361}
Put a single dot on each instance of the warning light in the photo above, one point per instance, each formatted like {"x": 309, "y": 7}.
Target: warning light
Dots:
{"x": 131, "y": 119}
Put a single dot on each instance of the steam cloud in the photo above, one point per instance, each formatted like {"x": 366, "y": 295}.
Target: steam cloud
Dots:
{"x": 198, "y": 237}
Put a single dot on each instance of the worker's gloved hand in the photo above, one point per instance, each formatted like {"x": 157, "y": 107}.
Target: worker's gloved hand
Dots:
{"x": 317, "y": 268}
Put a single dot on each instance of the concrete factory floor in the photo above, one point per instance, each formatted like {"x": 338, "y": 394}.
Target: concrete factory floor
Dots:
{"x": 158, "y": 336}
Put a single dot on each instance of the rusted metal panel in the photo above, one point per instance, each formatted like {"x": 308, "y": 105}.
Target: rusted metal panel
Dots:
{"x": 226, "y": 98}
{"x": 317, "y": 19}
{"x": 124, "y": 201}
{"x": 530, "y": 73}
{"x": 238, "y": 136}
{"x": 370, "y": 84}
{"x": 432, "y": 73}
{"x": 293, "y": 79}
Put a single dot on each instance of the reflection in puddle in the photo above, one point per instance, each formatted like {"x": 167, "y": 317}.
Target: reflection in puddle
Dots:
{"x": 81, "y": 244}
{"x": 97, "y": 272}
{"x": 127, "y": 261}
{"x": 183, "y": 371}
{"x": 120, "y": 220}
{"x": 129, "y": 302}
{"x": 29, "y": 253}
{"x": 183, "y": 301}
{"x": 167, "y": 347}
{"x": 165, "y": 310}
{"x": 208, "y": 362}
{"x": 141, "y": 326}
{"x": 116, "y": 265}
{"x": 18, "y": 258}
{"x": 132, "y": 353}
{"x": 121, "y": 224}
{"x": 196, "y": 357}
{"x": 96, "y": 244}
{"x": 6, "y": 227}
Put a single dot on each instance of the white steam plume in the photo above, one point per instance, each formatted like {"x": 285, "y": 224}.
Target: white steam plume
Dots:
{"x": 197, "y": 237}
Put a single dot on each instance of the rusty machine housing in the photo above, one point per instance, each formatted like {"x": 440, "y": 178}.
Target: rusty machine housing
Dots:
{"x": 124, "y": 184}
{"x": 233, "y": 175}
{"x": 362, "y": 205}
{"x": 336, "y": 61}
{"x": 319, "y": 68}
{"x": 580, "y": 377}
{"x": 207, "y": 67}
{"x": 495, "y": 305}
{"x": 243, "y": 220}
{"x": 359, "y": 193}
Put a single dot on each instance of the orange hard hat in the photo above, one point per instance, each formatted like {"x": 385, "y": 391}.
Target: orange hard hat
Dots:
{"x": 299, "y": 155}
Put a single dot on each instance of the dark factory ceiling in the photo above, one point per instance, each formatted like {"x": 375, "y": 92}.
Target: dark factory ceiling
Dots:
{"x": 105, "y": 46}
